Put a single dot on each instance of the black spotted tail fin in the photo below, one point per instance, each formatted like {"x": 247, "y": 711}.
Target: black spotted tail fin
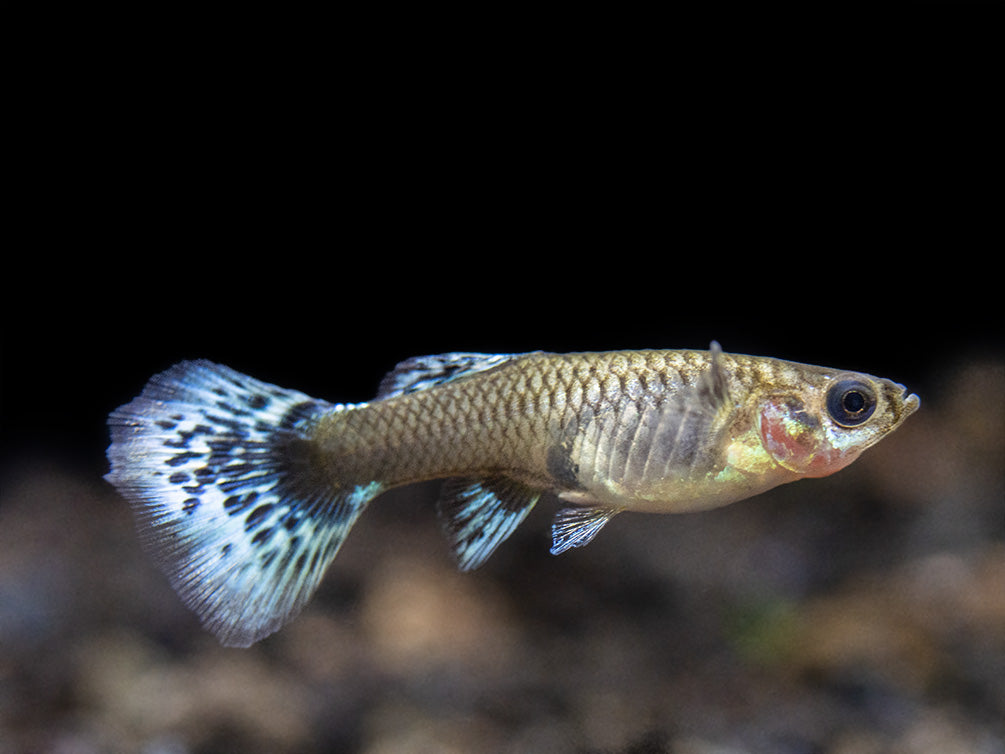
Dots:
{"x": 207, "y": 457}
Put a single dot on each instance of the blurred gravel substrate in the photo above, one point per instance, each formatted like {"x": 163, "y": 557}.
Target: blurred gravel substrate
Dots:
{"x": 860, "y": 614}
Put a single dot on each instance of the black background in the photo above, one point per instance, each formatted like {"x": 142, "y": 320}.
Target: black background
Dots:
{"x": 326, "y": 298}
{"x": 313, "y": 235}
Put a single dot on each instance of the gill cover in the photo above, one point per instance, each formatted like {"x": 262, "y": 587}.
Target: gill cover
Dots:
{"x": 790, "y": 433}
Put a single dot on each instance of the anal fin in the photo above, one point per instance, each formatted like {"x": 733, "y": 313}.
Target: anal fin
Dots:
{"x": 479, "y": 514}
{"x": 577, "y": 525}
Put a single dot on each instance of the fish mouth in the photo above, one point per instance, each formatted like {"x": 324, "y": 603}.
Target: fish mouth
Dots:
{"x": 902, "y": 402}
{"x": 909, "y": 403}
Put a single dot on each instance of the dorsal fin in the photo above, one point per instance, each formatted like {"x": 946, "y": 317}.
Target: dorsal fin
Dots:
{"x": 713, "y": 385}
{"x": 423, "y": 372}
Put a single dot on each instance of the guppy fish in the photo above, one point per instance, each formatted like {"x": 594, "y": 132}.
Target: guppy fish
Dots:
{"x": 244, "y": 491}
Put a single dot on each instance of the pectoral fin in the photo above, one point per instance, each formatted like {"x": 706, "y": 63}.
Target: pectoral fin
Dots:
{"x": 577, "y": 525}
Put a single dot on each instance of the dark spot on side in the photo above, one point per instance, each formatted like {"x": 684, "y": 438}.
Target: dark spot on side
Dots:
{"x": 190, "y": 505}
{"x": 562, "y": 468}
{"x": 179, "y": 477}
{"x": 164, "y": 424}
{"x": 225, "y": 550}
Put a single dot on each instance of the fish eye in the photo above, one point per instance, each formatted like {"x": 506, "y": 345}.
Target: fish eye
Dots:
{"x": 850, "y": 402}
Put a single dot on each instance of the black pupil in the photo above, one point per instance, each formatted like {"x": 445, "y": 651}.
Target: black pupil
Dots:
{"x": 853, "y": 401}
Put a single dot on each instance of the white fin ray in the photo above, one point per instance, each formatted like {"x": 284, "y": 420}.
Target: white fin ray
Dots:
{"x": 577, "y": 525}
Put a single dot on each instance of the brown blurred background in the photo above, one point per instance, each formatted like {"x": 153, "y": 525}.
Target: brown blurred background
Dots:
{"x": 857, "y": 614}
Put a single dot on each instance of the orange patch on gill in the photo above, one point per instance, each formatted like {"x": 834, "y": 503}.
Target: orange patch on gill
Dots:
{"x": 795, "y": 439}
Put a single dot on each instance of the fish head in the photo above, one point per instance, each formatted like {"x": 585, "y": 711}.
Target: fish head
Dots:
{"x": 825, "y": 423}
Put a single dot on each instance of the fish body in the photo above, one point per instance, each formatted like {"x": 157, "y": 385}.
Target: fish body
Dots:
{"x": 244, "y": 491}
